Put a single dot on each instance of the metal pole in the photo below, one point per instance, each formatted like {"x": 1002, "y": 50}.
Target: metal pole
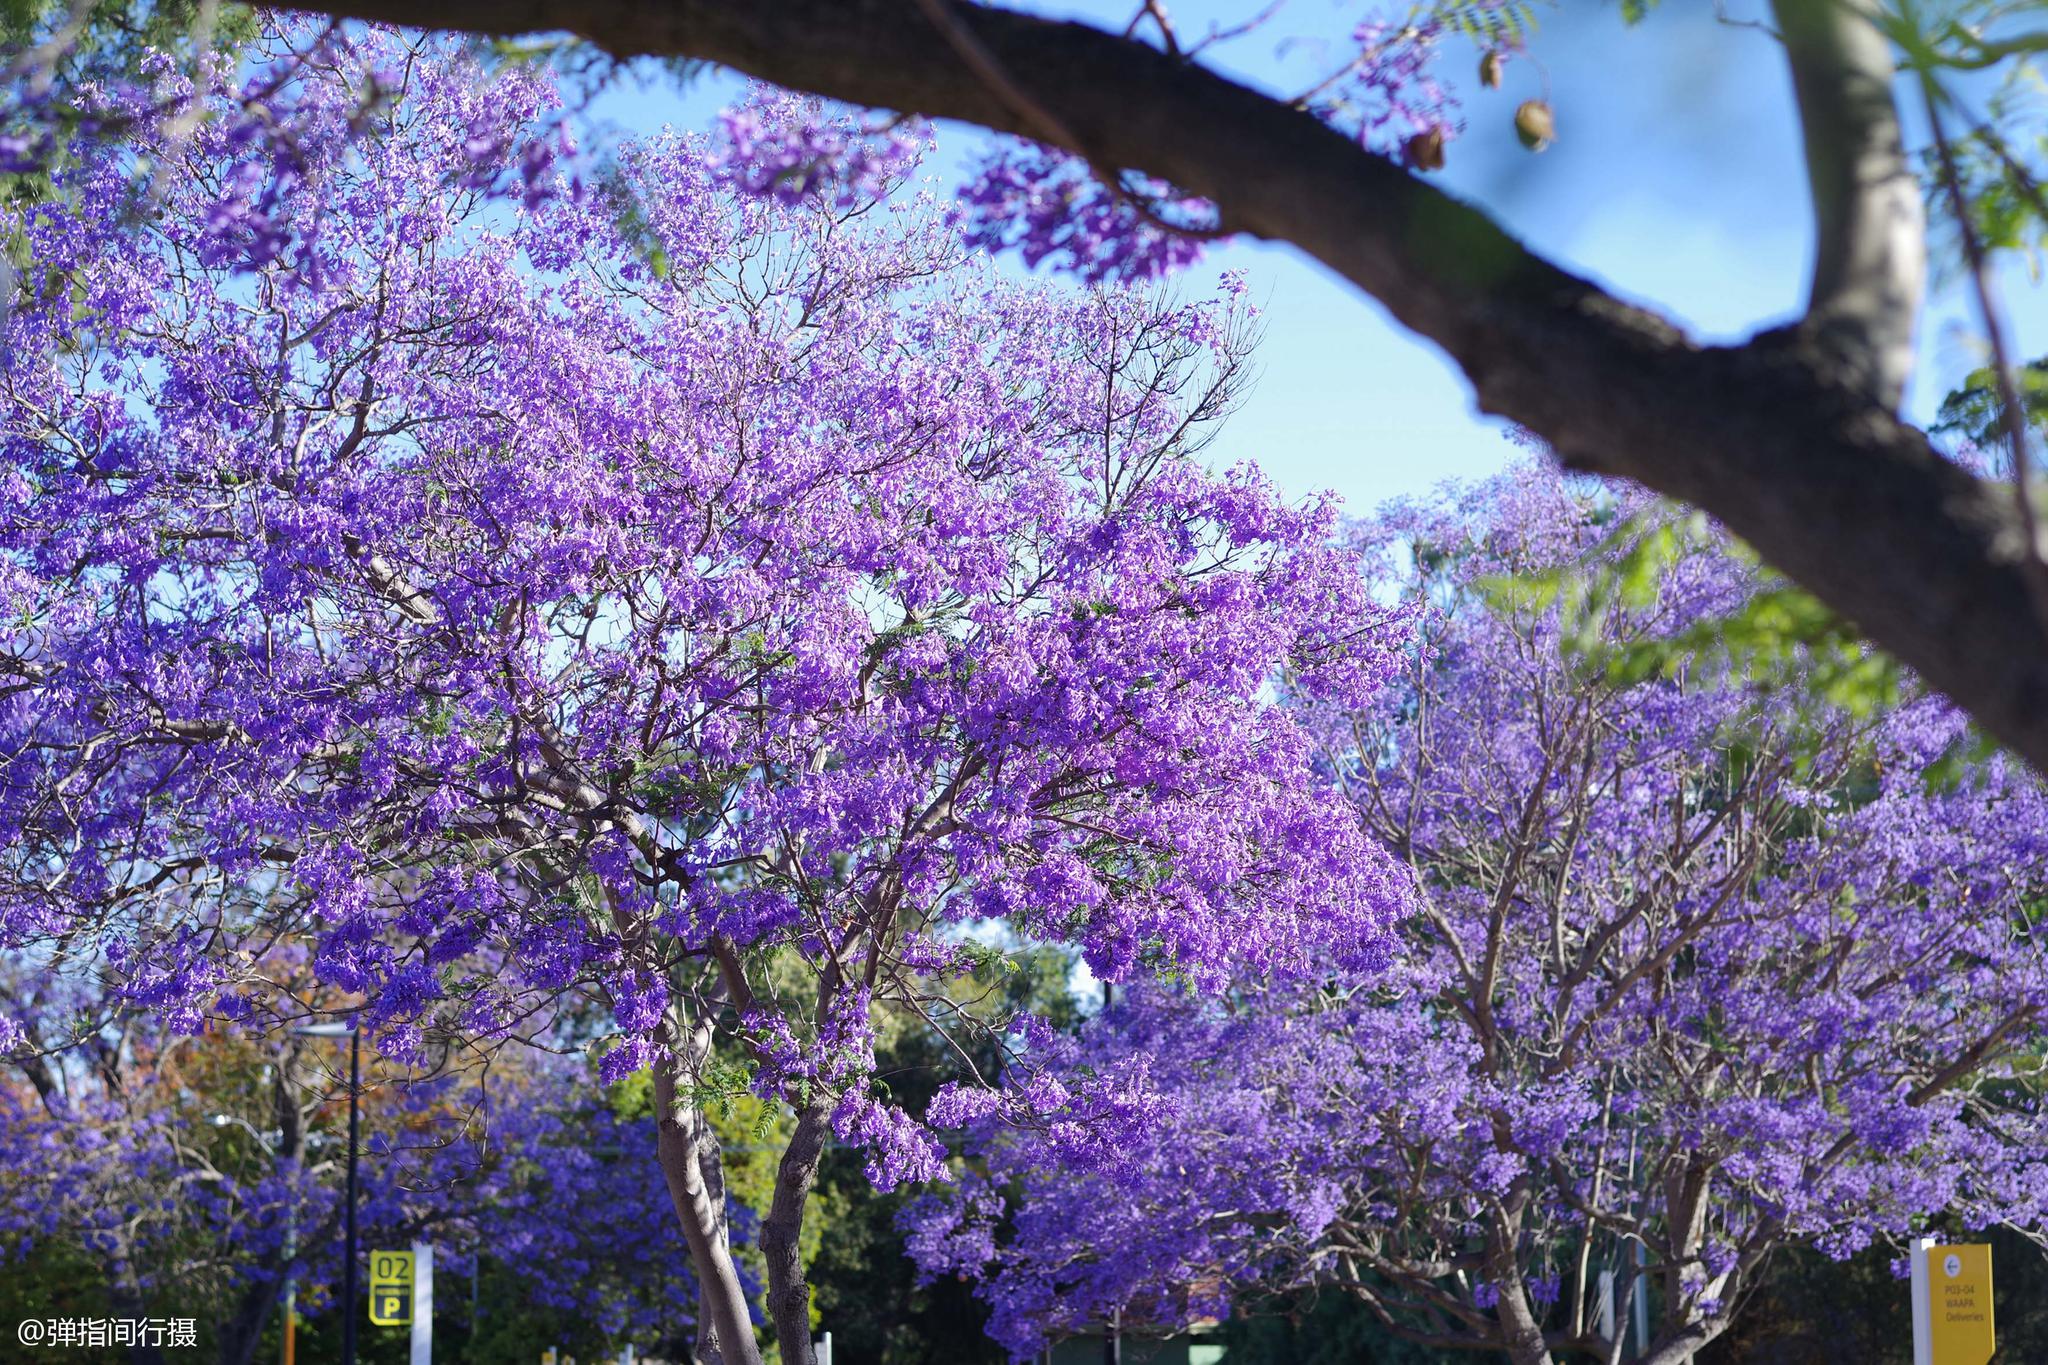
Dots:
{"x": 1642, "y": 1307}
{"x": 422, "y": 1303}
{"x": 291, "y": 1281}
{"x": 1923, "y": 1302}
{"x": 348, "y": 1269}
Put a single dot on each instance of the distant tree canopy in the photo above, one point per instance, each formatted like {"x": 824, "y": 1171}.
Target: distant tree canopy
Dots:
{"x": 1705, "y": 967}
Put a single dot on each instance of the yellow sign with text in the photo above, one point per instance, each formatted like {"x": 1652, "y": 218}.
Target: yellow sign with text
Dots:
{"x": 1959, "y": 1287}
{"x": 391, "y": 1288}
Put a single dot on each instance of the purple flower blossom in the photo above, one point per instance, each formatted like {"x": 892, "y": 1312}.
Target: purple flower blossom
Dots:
{"x": 518, "y": 601}
{"x": 1704, "y": 966}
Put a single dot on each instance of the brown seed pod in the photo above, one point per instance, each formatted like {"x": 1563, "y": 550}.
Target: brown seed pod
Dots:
{"x": 1535, "y": 125}
{"x": 1425, "y": 150}
{"x": 1490, "y": 67}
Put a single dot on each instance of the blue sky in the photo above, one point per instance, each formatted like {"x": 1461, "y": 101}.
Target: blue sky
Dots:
{"x": 1676, "y": 180}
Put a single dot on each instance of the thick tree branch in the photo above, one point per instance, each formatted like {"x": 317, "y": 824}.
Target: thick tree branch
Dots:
{"x": 1870, "y": 263}
{"x": 1778, "y": 437}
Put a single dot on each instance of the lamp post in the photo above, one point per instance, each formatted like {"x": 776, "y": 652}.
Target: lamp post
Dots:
{"x": 348, "y": 1265}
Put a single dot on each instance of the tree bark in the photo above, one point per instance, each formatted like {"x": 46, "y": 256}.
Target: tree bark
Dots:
{"x": 125, "y": 1297}
{"x": 1870, "y": 229}
{"x": 243, "y": 1332}
{"x": 711, "y": 1166}
{"x": 1521, "y": 1332}
{"x": 1781, "y": 437}
{"x": 688, "y": 1153}
{"x": 789, "y": 1294}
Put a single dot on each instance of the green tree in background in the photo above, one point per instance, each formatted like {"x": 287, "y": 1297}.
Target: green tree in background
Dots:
{"x": 865, "y": 1290}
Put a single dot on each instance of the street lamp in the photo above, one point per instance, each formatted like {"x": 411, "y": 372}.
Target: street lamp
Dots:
{"x": 348, "y": 1267}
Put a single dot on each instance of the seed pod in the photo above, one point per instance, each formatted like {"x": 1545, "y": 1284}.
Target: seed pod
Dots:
{"x": 1490, "y": 67}
{"x": 1535, "y": 125}
{"x": 1425, "y": 150}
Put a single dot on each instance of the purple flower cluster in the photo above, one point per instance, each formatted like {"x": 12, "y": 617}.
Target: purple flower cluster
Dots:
{"x": 792, "y": 148}
{"x": 1700, "y": 965}
{"x": 710, "y": 592}
{"x": 1050, "y": 206}
{"x": 1097, "y": 223}
{"x": 1390, "y": 92}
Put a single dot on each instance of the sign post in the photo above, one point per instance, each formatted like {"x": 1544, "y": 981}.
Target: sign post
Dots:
{"x": 391, "y": 1288}
{"x": 1953, "y": 1323}
{"x": 422, "y": 1303}
{"x": 1923, "y": 1334}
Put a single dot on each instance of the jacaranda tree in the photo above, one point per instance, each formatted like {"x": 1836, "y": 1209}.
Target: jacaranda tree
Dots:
{"x": 539, "y": 583}
{"x": 1710, "y": 958}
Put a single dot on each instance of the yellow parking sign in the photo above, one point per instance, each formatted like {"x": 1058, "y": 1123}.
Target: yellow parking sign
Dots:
{"x": 391, "y": 1288}
{"x": 1959, "y": 1287}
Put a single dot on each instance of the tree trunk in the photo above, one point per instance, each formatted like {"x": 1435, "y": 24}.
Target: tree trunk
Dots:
{"x": 789, "y": 1295}
{"x": 243, "y": 1333}
{"x": 1521, "y": 1332}
{"x": 1870, "y": 231}
{"x": 1682, "y": 1331}
{"x": 688, "y": 1153}
{"x": 711, "y": 1166}
{"x": 126, "y": 1298}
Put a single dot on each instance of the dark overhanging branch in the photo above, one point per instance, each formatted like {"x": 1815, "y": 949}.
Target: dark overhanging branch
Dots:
{"x": 1778, "y": 437}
